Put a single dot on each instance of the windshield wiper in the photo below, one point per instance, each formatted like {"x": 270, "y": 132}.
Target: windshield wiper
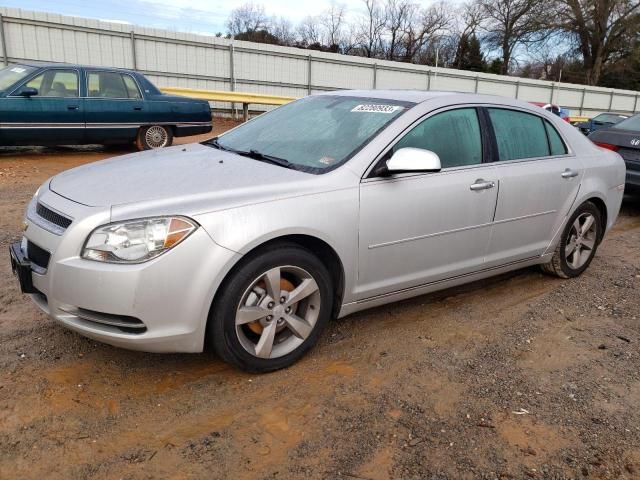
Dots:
{"x": 214, "y": 143}
{"x": 256, "y": 155}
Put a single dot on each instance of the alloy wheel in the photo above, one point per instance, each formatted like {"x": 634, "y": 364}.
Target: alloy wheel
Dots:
{"x": 581, "y": 240}
{"x": 277, "y": 312}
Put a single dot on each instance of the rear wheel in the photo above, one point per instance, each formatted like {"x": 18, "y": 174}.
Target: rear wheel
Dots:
{"x": 154, "y": 136}
{"x": 579, "y": 242}
{"x": 272, "y": 309}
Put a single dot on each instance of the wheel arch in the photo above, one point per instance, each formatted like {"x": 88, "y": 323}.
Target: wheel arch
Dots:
{"x": 320, "y": 248}
{"x": 602, "y": 208}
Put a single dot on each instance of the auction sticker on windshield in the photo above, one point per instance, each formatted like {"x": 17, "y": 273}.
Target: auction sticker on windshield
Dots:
{"x": 373, "y": 108}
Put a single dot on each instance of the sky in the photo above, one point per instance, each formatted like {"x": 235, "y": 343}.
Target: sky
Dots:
{"x": 192, "y": 16}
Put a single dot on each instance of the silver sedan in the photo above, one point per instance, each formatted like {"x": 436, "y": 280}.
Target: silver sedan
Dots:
{"x": 251, "y": 242}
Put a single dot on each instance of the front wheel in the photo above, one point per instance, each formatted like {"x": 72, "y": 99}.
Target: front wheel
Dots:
{"x": 154, "y": 136}
{"x": 272, "y": 309}
{"x": 579, "y": 242}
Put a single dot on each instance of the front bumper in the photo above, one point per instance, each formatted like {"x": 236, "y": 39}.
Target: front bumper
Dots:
{"x": 157, "y": 306}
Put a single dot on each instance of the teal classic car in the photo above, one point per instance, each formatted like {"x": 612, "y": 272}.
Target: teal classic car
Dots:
{"x": 59, "y": 104}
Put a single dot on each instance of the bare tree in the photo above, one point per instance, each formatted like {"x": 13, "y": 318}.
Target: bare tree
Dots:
{"x": 398, "y": 14}
{"x": 282, "y": 29}
{"x": 513, "y": 23}
{"x": 310, "y": 31}
{"x": 430, "y": 26}
{"x": 370, "y": 28}
{"x": 600, "y": 29}
{"x": 333, "y": 21}
{"x": 249, "y": 17}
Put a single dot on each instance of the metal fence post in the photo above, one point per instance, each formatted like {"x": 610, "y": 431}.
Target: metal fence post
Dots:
{"x": 5, "y": 56}
{"x": 133, "y": 50}
{"x": 635, "y": 105}
{"x": 232, "y": 79}
{"x": 517, "y": 89}
{"x": 477, "y": 82}
{"x": 553, "y": 86}
{"x": 611, "y": 101}
{"x": 428, "y": 79}
{"x": 375, "y": 76}
{"x": 309, "y": 74}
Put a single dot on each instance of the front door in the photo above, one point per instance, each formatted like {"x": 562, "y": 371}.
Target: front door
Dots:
{"x": 539, "y": 181}
{"x": 418, "y": 229}
{"x": 53, "y": 116}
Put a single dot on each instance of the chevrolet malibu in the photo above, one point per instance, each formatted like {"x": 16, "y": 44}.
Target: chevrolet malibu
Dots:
{"x": 250, "y": 243}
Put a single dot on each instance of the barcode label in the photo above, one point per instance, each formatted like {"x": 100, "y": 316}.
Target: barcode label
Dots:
{"x": 373, "y": 108}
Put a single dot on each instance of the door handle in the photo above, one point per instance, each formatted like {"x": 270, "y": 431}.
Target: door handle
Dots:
{"x": 568, "y": 173}
{"x": 137, "y": 108}
{"x": 481, "y": 184}
{"x": 72, "y": 107}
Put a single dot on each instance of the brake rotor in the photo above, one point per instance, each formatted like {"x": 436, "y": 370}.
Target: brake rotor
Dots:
{"x": 256, "y": 327}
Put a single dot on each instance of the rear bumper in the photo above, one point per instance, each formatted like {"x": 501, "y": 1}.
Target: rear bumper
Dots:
{"x": 633, "y": 178}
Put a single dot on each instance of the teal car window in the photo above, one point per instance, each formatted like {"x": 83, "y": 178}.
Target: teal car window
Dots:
{"x": 112, "y": 85}
{"x": 132, "y": 87}
{"x": 55, "y": 83}
{"x": 453, "y": 135}
{"x": 555, "y": 141}
{"x": 12, "y": 74}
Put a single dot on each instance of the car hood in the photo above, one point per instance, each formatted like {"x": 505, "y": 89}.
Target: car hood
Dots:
{"x": 194, "y": 177}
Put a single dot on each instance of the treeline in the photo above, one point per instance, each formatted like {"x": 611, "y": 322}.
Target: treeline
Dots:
{"x": 593, "y": 42}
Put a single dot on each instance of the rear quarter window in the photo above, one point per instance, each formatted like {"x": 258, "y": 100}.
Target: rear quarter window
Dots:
{"x": 556, "y": 144}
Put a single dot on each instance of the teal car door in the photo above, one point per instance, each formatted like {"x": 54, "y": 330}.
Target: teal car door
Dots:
{"x": 45, "y": 110}
{"x": 114, "y": 107}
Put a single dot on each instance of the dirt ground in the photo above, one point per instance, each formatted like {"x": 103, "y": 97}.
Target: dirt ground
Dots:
{"x": 522, "y": 376}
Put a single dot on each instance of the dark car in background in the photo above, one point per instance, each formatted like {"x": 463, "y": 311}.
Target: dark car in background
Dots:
{"x": 623, "y": 138}
{"x": 59, "y": 104}
{"x": 604, "y": 120}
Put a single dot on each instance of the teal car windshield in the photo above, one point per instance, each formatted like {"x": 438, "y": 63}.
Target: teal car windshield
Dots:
{"x": 13, "y": 74}
{"x": 315, "y": 134}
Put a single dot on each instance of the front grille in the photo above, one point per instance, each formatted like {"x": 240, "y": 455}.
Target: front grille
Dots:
{"x": 37, "y": 255}
{"x": 53, "y": 217}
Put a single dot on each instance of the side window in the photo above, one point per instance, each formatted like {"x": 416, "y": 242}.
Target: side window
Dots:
{"x": 107, "y": 85}
{"x": 555, "y": 141}
{"x": 454, "y": 135}
{"x": 55, "y": 83}
{"x": 132, "y": 87}
{"x": 519, "y": 135}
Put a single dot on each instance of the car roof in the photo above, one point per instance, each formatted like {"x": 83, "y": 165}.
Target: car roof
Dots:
{"x": 421, "y": 96}
{"x": 38, "y": 64}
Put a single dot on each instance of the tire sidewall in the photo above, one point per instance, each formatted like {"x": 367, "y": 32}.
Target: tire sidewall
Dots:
{"x": 141, "y": 141}
{"x": 564, "y": 265}
{"x": 221, "y": 328}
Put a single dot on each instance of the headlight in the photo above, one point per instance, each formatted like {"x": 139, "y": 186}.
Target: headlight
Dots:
{"x": 136, "y": 241}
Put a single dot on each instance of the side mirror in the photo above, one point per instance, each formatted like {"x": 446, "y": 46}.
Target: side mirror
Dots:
{"x": 408, "y": 160}
{"x": 28, "y": 92}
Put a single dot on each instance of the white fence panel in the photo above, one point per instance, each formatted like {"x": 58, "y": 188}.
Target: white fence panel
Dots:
{"x": 200, "y": 61}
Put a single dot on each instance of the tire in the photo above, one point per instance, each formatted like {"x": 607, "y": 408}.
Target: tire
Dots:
{"x": 574, "y": 254}
{"x": 250, "y": 288}
{"x": 154, "y": 136}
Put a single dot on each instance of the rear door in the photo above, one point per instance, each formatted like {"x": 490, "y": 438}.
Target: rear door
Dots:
{"x": 115, "y": 108}
{"x": 538, "y": 182}
{"x": 55, "y": 116}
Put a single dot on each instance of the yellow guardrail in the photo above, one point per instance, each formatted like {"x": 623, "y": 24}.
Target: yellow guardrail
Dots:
{"x": 573, "y": 119}
{"x": 233, "y": 97}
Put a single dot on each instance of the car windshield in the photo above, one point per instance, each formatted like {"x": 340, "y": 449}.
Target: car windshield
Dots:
{"x": 632, "y": 123}
{"x": 315, "y": 134}
{"x": 12, "y": 74}
{"x": 608, "y": 118}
